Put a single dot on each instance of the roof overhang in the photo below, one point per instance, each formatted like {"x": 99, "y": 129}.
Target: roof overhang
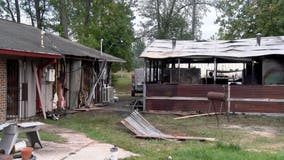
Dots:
{"x": 28, "y": 54}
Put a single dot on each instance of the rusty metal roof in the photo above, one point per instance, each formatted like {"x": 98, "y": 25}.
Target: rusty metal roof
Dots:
{"x": 242, "y": 48}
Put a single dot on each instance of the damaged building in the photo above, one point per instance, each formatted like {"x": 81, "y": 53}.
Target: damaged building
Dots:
{"x": 250, "y": 72}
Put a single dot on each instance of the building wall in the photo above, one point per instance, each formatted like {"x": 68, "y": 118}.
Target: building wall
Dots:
{"x": 75, "y": 82}
{"x": 28, "y": 106}
{"x": 3, "y": 90}
{"x": 243, "y": 98}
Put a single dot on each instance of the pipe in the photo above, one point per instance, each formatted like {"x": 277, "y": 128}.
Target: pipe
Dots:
{"x": 102, "y": 46}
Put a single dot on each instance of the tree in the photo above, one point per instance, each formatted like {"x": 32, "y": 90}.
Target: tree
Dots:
{"x": 246, "y": 18}
{"x": 37, "y": 11}
{"x": 91, "y": 21}
{"x": 138, "y": 47}
{"x": 168, "y": 18}
{"x": 10, "y": 10}
{"x": 60, "y": 20}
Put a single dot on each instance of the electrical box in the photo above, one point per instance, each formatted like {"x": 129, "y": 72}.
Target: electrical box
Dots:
{"x": 50, "y": 77}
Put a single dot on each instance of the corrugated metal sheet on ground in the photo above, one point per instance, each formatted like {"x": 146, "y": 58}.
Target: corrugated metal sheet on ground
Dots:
{"x": 143, "y": 129}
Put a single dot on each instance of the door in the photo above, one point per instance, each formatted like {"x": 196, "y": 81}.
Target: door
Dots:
{"x": 12, "y": 89}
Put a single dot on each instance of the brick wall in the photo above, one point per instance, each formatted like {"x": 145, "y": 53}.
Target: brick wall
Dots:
{"x": 3, "y": 90}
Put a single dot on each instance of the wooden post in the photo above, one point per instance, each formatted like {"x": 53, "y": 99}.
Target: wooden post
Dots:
{"x": 252, "y": 71}
{"x": 39, "y": 92}
{"x": 215, "y": 70}
{"x": 178, "y": 70}
{"x": 144, "y": 85}
{"x": 229, "y": 98}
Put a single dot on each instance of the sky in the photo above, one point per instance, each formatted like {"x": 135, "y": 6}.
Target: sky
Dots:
{"x": 208, "y": 28}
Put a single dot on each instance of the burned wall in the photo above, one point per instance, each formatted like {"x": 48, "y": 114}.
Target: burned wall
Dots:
{"x": 183, "y": 75}
{"x": 273, "y": 71}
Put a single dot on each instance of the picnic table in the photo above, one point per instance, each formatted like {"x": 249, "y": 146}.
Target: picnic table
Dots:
{"x": 12, "y": 130}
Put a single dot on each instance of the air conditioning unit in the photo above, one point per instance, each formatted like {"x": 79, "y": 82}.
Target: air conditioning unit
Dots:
{"x": 108, "y": 94}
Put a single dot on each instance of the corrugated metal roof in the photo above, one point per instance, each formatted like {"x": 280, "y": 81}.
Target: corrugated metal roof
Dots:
{"x": 161, "y": 49}
{"x": 21, "y": 37}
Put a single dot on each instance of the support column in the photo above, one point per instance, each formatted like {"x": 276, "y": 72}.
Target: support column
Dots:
{"x": 144, "y": 85}
{"x": 215, "y": 70}
{"x": 75, "y": 79}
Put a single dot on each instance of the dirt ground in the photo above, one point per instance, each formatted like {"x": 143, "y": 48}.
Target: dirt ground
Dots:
{"x": 77, "y": 146}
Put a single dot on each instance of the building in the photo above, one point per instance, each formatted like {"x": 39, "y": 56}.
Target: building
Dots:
{"x": 250, "y": 71}
{"x": 40, "y": 71}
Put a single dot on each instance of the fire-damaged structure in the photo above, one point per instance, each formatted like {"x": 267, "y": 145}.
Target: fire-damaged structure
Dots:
{"x": 250, "y": 72}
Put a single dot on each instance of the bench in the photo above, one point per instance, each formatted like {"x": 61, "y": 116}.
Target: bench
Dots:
{"x": 12, "y": 130}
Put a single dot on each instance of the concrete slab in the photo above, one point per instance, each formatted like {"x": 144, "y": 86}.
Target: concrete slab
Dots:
{"x": 98, "y": 151}
{"x": 76, "y": 147}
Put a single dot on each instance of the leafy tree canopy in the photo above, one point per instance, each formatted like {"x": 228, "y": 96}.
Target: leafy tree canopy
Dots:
{"x": 104, "y": 19}
{"x": 246, "y": 18}
{"x": 173, "y": 18}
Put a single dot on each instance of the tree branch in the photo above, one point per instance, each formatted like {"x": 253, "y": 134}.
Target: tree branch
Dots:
{"x": 10, "y": 11}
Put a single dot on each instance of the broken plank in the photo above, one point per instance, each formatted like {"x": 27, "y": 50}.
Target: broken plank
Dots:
{"x": 197, "y": 115}
{"x": 178, "y": 138}
{"x": 87, "y": 109}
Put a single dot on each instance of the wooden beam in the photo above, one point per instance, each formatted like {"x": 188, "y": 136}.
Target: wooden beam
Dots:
{"x": 178, "y": 138}
{"x": 197, "y": 115}
{"x": 39, "y": 92}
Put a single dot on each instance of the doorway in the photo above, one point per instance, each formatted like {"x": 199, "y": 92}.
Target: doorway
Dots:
{"x": 12, "y": 89}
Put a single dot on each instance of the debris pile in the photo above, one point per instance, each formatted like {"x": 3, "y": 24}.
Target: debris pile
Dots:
{"x": 143, "y": 129}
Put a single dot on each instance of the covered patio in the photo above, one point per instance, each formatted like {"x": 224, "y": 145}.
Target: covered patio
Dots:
{"x": 179, "y": 74}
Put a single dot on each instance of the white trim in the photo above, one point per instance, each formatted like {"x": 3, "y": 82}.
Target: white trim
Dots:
{"x": 205, "y": 99}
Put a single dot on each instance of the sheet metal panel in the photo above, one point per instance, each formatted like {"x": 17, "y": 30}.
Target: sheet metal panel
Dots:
{"x": 257, "y": 107}
{"x": 182, "y": 90}
{"x": 257, "y": 91}
{"x": 242, "y": 48}
{"x": 251, "y": 98}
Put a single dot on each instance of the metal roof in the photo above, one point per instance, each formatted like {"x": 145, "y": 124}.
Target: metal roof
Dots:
{"x": 21, "y": 37}
{"x": 242, "y": 48}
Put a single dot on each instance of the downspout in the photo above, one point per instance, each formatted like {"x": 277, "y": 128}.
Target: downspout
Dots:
{"x": 39, "y": 73}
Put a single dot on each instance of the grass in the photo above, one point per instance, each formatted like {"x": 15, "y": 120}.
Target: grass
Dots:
{"x": 122, "y": 82}
{"x": 233, "y": 143}
{"x": 46, "y": 136}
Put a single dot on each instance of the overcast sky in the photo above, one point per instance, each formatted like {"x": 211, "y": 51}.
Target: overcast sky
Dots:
{"x": 209, "y": 28}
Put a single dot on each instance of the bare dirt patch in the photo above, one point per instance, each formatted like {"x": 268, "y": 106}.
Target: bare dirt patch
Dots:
{"x": 263, "y": 131}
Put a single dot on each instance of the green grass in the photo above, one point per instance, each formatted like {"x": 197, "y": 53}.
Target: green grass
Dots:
{"x": 46, "y": 136}
{"x": 122, "y": 82}
{"x": 233, "y": 144}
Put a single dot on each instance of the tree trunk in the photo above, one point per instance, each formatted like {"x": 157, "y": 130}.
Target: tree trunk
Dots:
{"x": 193, "y": 19}
{"x": 88, "y": 7}
{"x": 63, "y": 19}
{"x": 38, "y": 17}
{"x": 18, "y": 11}
{"x": 10, "y": 10}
